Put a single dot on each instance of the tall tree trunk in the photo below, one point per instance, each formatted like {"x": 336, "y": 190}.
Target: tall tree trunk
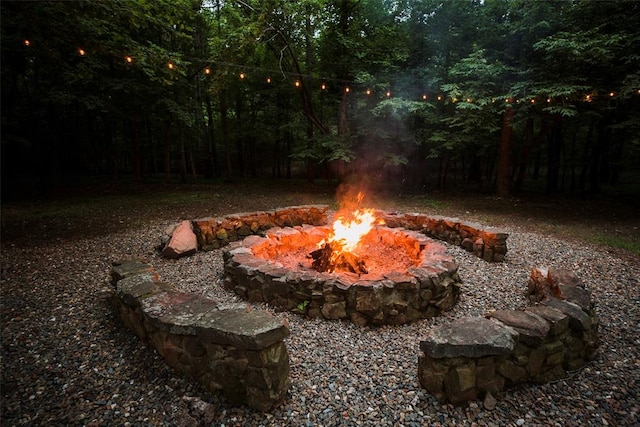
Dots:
{"x": 503, "y": 180}
{"x": 167, "y": 150}
{"x": 212, "y": 155}
{"x": 228, "y": 149}
{"x": 524, "y": 157}
{"x": 554, "y": 155}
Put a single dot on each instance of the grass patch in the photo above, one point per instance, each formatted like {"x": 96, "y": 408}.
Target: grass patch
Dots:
{"x": 618, "y": 242}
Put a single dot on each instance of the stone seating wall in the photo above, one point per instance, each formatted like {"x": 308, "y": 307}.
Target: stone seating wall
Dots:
{"x": 228, "y": 348}
{"x": 476, "y": 356}
{"x": 489, "y": 244}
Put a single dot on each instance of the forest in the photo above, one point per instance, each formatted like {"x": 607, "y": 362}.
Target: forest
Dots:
{"x": 499, "y": 96}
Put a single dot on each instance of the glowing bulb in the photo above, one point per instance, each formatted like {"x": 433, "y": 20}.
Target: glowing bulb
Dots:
{"x": 129, "y": 59}
{"x": 207, "y": 70}
{"x": 242, "y": 75}
{"x": 468, "y": 99}
{"x": 297, "y": 83}
{"x": 323, "y": 86}
{"x": 548, "y": 100}
{"x": 170, "y": 65}
{"x": 439, "y": 98}
{"x": 81, "y": 52}
{"x": 28, "y": 43}
{"x": 507, "y": 100}
{"x": 268, "y": 79}
{"x": 388, "y": 93}
{"x": 424, "y": 97}
{"x": 533, "y": 101}
{"x": 612, "y": 94}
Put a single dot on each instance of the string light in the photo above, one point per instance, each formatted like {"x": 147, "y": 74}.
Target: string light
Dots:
{"x": 128, "y": 59}
{"x": 368, "y": 92}
{"x": 323, "y": 86}
{"x": 242, "y": 75}
{"x": 170, "y": 65}
{"x": 269, "y": 80}
{"x": 468, "y": 99}
{"x": 207, "y": 70}
{"x": 81, "y": 52}
{"x": 347, "y": 90}
{"x": 548, "y": 100}
{"x": 533, "y": 101}
{"x": 297, "y": 83}
{"x": 612, "y": 94}
{"x": 424, "y": 97}
{"x": 26, "y": 42}
{"x": 439, "y": 98}
{"x": 388, "y": 94}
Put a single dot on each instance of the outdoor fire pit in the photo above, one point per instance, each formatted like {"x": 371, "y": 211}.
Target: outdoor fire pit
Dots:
{"x": 355, "y": 269}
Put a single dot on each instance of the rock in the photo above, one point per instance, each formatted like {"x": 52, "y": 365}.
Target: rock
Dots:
{"x": 183, "y": 242}
{"x": 531, "y": 327}
{"x": 469, "y": 337}
{"x": 489, "y": 402}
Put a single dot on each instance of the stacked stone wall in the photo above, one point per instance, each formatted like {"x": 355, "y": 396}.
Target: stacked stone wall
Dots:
{"x": 424, "y": 290}
{"x": 473, "y": 357}
{"x": 228, "y": 348}
{"x": 489, "y": 244}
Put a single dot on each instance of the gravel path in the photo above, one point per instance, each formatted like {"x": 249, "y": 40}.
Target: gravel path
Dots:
{"x": 68, "y": 360}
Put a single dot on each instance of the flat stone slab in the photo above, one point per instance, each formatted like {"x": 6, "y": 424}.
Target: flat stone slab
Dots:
{"x": 469, "y": 337}
{"x": 254, "y": 330}
{"x": 531, "y": 327}
{"x": 578, "y": 319}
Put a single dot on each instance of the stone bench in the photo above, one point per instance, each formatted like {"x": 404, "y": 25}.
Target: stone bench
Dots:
{"x": 476, "y": 356}
{"x": 228, "y": 348}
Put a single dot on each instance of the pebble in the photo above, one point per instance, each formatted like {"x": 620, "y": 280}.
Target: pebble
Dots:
{"x": 341, "y": 374}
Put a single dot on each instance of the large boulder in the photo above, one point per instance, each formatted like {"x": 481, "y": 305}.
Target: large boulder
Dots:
{"x": 183, "y": 241}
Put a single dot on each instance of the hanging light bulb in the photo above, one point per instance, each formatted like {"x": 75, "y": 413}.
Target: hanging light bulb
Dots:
{"x": 207, "y": 70}
{"x": 533, "y": 100}
{"x": 297, "y": 83}
{"x": 368, "y": 92}
{"x": 424, "y": 96}
{"x": 347, "y": 89}
{"x": 388, "y": 94}
{"x": 242, "y": 75}
{"x": 469, "y": 100}
{"x": 81, "y": 51}
{"x": 128, "y": 59}
{"x": 548, "y": 100}
{"x": 612, "y": 94}
{"x": 439, "y": 98}
{"x": 323, "y": 86}
{"x": 269, "y": 80}
{"x": 26, "y": 42}
{"x": 170, "y": 65}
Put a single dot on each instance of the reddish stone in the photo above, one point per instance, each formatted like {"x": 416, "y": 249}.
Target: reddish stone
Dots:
{"x": 183, "y": 241}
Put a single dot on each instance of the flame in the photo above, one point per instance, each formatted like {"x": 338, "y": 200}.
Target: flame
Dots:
{"x": 347, "y": 232}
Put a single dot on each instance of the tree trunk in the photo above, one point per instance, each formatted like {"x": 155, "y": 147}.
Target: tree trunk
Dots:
{"x": 554, "y": 155}
{"x": 228, "y": 149}
{"x": 503, "y": 180}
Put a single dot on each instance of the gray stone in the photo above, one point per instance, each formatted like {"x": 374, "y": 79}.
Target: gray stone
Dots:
{"x": 558, "y": 321}
{"x": 531, "y": 327}
{"x": 128, "y": 268}
{"x": 469, "y": 337}
{"x": 578, "y": 319}
{"x": 254, "y": 330}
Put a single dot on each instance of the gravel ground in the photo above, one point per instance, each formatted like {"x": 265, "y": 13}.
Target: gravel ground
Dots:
{"x": 68, "y": 360}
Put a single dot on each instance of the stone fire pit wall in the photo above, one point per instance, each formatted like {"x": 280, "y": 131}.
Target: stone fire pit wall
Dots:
{"x": 474, "y": 356}
{"x": 487, "y": 243}
{"x": 228, "y": 348}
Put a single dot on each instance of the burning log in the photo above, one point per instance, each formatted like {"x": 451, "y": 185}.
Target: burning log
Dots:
{"x": 327, "y": 258}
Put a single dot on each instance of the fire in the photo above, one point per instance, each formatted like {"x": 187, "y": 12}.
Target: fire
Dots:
{"x": 348, "y": 232}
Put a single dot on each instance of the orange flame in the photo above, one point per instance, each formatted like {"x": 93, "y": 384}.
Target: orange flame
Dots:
{"x": 347, "y": 233}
